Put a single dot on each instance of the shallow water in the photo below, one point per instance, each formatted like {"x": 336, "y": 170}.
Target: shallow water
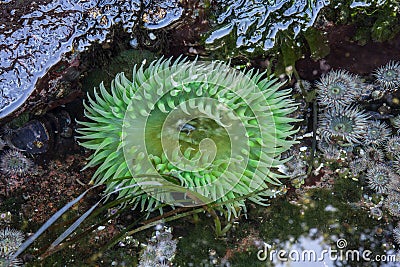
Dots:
{"x": 324, "y": 210}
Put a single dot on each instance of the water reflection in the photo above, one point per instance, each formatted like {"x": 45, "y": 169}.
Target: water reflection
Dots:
{"x": 325, "y": 228}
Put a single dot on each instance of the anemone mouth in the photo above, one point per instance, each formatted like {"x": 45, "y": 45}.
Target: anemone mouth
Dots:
{"x": 342, "y": 125}
{"x": 337, "y": 89}
{"x": 200, "y": 128}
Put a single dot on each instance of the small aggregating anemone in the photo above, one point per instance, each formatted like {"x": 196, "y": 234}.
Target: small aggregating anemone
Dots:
{"x": 396, "y": 164}
{"x": 377, "y": 133}
{"x": 392, "y": 147}
{"x": 2, "y": 144}
{"x": 373, "y": 155}
{"x": 344, "y": 124}
{"x": 379, "y": 178}
{"x": 202, "y": 126}
{"x": 392, "y": 204}
{"x": 395, "y": 122}
{"x": 388, "y": 76}
{"x": 337, "y": 88}
{"x": 394, "y": 185}
{"x": 331, "y": 152}
{"x": 10, "y": 241}
{"x": 295, "y": 168}
{"x": 14, "y": 162}
{"x": 358, "y": 165}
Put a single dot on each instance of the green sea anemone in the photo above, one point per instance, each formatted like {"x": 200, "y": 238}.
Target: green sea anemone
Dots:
{"x": 203, "y": 127}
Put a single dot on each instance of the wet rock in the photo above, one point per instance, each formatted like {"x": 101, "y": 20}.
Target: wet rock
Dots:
{"x": 43, "y": 134}
{"x": 35, "y": 36}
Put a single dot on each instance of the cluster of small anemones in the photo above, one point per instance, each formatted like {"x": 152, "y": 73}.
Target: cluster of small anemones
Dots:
{"x": 344, "y": 125}
{"x": 341, "y": 120}
{"x": 161, "y": 249}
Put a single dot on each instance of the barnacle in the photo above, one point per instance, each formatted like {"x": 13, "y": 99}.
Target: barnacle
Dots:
{"x": 14, "y": 162}
{"x": 377, "y": 133}
{"x": 344, "y": 124}
{"x": 376, "y": 213}
{"x": 202, "y": 126}
{"x": 379, "y": 177}
{"x": 337, "y": 88}
{"x": 388, "y": 76}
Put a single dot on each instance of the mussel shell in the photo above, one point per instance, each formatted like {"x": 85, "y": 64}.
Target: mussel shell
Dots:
{"x": 33, "y": 137}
